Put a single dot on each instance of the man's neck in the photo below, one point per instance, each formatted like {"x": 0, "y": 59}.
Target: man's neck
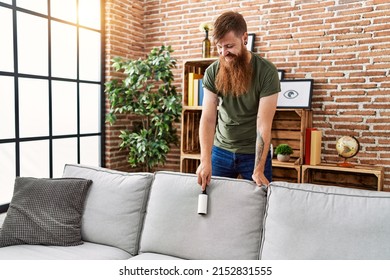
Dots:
{"x": 248, "y": 56}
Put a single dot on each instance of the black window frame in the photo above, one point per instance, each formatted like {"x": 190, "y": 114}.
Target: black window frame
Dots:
{"x": 16, "y": 75}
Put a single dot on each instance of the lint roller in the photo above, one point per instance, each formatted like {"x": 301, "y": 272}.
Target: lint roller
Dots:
{"x": 202, "y": 203}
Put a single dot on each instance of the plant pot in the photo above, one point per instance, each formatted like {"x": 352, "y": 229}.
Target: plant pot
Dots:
{"x": 283, "y": 158}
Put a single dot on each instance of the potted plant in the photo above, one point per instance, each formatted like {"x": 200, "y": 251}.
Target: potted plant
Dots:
{"x": 283, "y": 152}
{"x": 146, "y": 91}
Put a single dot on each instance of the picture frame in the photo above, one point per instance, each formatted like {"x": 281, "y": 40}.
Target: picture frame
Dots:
{"x": 295, "y": 94}
{"x": 281, "y": 74}
{"x": 250, "y": 46}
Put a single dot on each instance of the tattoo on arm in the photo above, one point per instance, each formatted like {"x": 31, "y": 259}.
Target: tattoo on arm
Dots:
{"x": 259, "y": 148}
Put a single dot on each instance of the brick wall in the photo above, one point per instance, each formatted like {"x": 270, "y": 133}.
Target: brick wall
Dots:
{"x": 124, "y": 35}
{"x": 344, "y": 45}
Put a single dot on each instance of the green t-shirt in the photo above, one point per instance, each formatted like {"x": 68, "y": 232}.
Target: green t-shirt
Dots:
{"x": 236, "y": 126}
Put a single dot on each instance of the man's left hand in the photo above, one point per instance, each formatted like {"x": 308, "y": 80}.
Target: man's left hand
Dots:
{"x": 260, "y": 179}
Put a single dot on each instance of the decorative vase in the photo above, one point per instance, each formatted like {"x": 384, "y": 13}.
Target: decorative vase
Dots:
{"x": 283, "y": 158}
{"x": 206, "y": 46}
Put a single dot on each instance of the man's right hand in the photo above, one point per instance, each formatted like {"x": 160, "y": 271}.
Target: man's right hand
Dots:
{"x": 204, "y": 175}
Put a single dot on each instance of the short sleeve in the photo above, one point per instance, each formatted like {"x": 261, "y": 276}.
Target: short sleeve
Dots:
{"x": 209, "y": 77}
{"x": 271, "y": 84}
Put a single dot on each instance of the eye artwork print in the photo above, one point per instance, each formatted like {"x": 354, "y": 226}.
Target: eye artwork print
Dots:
{"x": 295, "y": 93}
{"x": 291, "y": 94}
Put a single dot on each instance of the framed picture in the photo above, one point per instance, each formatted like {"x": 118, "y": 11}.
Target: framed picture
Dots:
{"x": 251, "y": 42}
{"x": 281, "y": 74}
{"x": 295, "y": 94}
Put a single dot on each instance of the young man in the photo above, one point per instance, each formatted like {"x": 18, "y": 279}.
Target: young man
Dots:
{"x": 245, "y": 88}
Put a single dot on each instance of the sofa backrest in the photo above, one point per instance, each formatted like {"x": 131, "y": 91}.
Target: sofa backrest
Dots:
{"x": 231, "y": 229}
{"x": 115, "y": 205}
{"x": 306, "y": 221}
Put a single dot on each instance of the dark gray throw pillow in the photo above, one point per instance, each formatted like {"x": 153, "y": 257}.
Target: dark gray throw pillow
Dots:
{"x": 45, "y": 211}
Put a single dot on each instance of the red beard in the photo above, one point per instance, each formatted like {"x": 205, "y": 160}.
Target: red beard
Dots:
{"x": 234, "y": 77}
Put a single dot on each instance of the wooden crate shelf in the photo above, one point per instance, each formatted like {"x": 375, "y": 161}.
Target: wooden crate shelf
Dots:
{"x": 289, "y": 127}
{"x": 286, "y": 171}
{"x": 190, "y": 135}
{"x": 189, "y": 165}
{"x": 193, "y": 66}
{"x": 360, "y": 177}
{"x": 190, "y": 147}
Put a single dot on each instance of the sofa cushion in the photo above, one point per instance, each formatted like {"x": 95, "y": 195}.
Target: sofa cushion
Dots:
{"x": 230, "y": 230}
{"x": 86, "y": 251}
{"x": 45, "y": 211}
{"x": 306, "y": 221}
{"x": 114, "y": 207}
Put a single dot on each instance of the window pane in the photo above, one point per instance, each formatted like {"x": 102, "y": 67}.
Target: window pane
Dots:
{"x": 7, "y": 172}
{"x": 7, "y": 108}
{"x": 89, "y": 108}
{"x": 63, "y": 50}
{"x": 89, "y": 13}
{"x": 66, "y": 10}
{"x": 33, "y": 107}
{"x": 32, "y": 44}
{"x": 89, "y": 55}
{"x": 6, "y": 45}
{"x": 64, "y": 100}
{"x": 64, "y": 151}
{"x": 39, "y": 6}
{"x": 90, "y": 150}
{"x": 34, "y": 159}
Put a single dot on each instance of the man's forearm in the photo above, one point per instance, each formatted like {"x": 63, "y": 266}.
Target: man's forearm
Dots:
{"x": 262, "y": 147}
{"x": 206, "y": 139}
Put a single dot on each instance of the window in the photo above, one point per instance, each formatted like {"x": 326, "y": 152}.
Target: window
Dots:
{"x": 51, "y": 88}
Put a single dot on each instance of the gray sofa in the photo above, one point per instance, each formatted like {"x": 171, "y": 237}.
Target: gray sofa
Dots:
{"x": 144, "y": 216}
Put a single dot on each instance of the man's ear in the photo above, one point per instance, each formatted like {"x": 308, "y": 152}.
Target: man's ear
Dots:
{"x": 245, "y": 38}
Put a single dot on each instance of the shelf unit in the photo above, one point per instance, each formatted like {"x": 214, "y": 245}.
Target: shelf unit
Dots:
{"x": 289, "y": 127}
{"x": 286, "y": 171}
{"x": 360, "y": 176}
{"x": 190, "y": 147}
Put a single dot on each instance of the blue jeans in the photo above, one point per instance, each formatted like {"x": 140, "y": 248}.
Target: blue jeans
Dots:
{"x": 228, "y": 164}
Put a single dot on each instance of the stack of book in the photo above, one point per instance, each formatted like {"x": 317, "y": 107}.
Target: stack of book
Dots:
{"x": 195, "y": 89}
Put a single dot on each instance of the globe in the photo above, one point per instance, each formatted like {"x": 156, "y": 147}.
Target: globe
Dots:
{"x": 347, "y": 147}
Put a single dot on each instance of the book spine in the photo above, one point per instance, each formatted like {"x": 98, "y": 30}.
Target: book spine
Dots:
{"x": 196, "y": 92}
{"x": 190, "y": 89}
{"x": 308, "y": 144}
{"x": 315, "y": 149}
{"x": 201, "y": 92}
